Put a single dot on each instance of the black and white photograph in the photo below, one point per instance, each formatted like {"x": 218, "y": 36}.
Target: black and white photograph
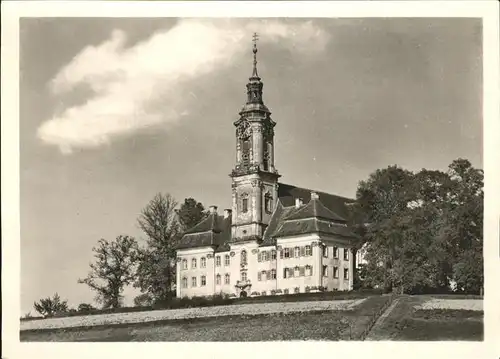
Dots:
{"x": 249, "y": 178}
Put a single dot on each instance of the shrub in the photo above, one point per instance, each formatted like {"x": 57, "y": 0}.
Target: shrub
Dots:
{"x": 143, "y": 300}
{"x": 84, "y": 307}
{"x": 49, "y": 307}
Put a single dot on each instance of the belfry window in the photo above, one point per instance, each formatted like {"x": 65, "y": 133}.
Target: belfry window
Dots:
{"x": 246, "y": 151}
{"x": 244, "y": 203}
{"x": 268, "y": 203}
{"x": 243, "y": 257}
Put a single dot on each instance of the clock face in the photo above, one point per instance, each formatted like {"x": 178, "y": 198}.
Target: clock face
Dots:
{"x": 243, "y": 131}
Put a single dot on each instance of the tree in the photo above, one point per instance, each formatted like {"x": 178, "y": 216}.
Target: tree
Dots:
{"x": 421, "y": 230}
{"x": 380, "y": 200}
{"x": 462, "y": 225}
{"x": 190, "y": 213}
{"x": 51, "y": 306}
{"x": 156, "y": 270}
{"x": 113, "y": 269}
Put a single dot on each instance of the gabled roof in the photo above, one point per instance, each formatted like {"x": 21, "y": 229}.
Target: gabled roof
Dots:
{"x": 336, "y": 204}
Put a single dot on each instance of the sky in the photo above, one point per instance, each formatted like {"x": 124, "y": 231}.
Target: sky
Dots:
{"x": 113, "y": 111}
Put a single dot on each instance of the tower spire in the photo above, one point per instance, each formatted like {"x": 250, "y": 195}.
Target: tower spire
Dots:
{"x": 255, "y": 38}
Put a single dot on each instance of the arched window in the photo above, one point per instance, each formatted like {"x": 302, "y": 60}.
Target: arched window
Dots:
{"x": 308, "y": 251}
{"x": 193, "y": 263}
{"x": 203, "y": 280}
{"x": 296, "y": 272}
{"x": 244, "y": 203}
{"x": 243, "y": 257}
{"x": 227, "y": 260}
{"x": 325, "y": 271}
{"x": 243, "y": 276}
{"x": 184, "y": 282}
{"x": 218, "y": 279}
{"x": 308, "y": 271}
{"x": 203, "y": 262}
{"x": 346, "y": 273}
{"x": 246, "y": 150}
{"x": 263, "y": 275}
{"x": 217, "y": 261}
{"x": 227, "y": 278}
{"x": 184, "y": 264}
{"x": 346, "y": 254}
{"x": 264, "y": 256}
{"x": 273, "y": 273}
{"x": 268, "y": 203}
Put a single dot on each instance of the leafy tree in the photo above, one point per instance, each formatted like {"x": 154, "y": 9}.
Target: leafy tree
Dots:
{"x": 190, "y": 213}
{"x": 48, "y": 307}
{"x": 462, "y": 225}
{"x": 113, "y": 269}
{"x": 156, "y": 270}
{"x": 380, "y": 200}
{"x": 421, "y": 230}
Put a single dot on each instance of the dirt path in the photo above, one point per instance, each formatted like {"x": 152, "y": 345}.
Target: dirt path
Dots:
{"x": 376, "y": 333}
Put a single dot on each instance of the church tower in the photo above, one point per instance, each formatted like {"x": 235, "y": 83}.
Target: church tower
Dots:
{"x": 254, "y": 177}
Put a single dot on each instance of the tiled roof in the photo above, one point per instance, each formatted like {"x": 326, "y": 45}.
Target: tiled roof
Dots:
{"x": 312, "y": 225}
{"x": 214, "y": 231}
{"x": 337, "y": 204}
{"x": 316, "y": 216}
{"x": 277, "y": 218}
{"x": 315, "y": 209}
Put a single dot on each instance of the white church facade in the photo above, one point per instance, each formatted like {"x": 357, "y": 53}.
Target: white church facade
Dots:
{"x": 276, "y": 238}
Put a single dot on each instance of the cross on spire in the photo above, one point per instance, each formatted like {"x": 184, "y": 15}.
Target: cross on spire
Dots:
{"x": 255, "y": 38}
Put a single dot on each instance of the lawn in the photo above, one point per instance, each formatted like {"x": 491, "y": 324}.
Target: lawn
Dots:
{"x": 415, "y": 318}
{"x": 409, "y": 318}
{"x": 307, "y": 325}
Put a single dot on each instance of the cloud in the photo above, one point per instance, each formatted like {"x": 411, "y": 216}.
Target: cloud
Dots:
{"x": 128, "y": 84}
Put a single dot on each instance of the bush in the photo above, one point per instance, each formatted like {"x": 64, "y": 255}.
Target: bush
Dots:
{"x": 84, "y": 307}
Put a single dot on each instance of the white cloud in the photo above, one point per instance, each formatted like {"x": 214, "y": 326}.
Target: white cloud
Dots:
{"x": 127, "y": 83}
